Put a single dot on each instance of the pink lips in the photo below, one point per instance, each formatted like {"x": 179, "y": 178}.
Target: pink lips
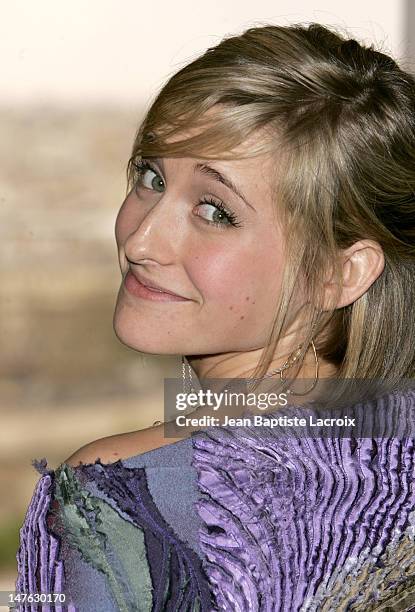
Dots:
{"x": 139, "y": 290}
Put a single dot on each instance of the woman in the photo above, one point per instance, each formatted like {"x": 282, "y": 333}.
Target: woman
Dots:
{"x": 268, "y": 232}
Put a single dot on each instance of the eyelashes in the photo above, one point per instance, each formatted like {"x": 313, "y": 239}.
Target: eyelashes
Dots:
{"x": 227, "y": 218}
{"x": 220, "y": 207}
{"x": 140, "y": 167}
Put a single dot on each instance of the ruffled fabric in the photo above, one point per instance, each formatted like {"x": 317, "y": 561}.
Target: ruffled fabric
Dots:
{"x": 175, "y": 571}
{"x": 297, "y": 523}
{"x": 39, "y": 568}
{"x": 122, "y": 535}
{"x": 289, "y": 523}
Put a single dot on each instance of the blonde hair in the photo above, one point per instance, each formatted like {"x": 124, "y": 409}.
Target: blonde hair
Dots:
{"x": 341, "y": 117}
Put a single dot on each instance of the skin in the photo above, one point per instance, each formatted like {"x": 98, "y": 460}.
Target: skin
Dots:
{"x": 230, "y": 275}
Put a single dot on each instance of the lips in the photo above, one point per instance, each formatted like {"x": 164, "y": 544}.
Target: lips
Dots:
{"x": 152, "y": 285}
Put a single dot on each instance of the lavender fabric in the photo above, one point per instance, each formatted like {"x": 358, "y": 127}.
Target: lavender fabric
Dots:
{"x": 164, "y": 488}
{"x": 305, "y": 524}
{"x": 39, "y": 567}
{"x": 254, "y": 521}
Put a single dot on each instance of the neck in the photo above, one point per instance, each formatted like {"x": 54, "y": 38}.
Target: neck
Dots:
{"x": 243, "y": 364}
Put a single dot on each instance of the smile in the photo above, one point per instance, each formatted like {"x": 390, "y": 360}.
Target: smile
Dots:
{"x": 139, "y": 290}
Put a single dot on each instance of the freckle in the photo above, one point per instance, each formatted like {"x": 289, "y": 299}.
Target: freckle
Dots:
{"x": 230, "y": 307}
{"x": 242, "y": 317}
{"x": 247, "y": 298}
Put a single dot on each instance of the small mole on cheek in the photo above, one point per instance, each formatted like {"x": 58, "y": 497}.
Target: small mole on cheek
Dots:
{"x": 230, "y": 307}
{"x": 242, "y": 317}
{"x": 247, "y": 298}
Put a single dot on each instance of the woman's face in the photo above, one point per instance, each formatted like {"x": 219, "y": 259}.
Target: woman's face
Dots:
{"x": 227, "y": 264}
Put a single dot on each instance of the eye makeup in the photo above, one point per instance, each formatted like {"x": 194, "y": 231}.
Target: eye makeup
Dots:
{"x": 227, "y": 218}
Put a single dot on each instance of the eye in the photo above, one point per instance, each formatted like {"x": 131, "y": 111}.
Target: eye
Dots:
{"x": 220, "y": 216}
{"x": 143, "y": 172}
{"x": 147, "y": 176}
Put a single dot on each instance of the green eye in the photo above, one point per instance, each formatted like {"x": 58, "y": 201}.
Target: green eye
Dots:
{"x": 146, "y": 176}
{"x": 221, "y": 217}
{"x": 142, "y": 169}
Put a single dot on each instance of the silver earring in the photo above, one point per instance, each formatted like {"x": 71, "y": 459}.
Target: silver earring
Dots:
{"x": 187, "y": 378}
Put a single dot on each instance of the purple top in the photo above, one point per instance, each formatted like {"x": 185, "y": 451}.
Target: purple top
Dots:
{"x": 232, "y": 519}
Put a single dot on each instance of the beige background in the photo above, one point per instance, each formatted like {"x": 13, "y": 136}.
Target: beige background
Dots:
{"x": 75, "y": 80}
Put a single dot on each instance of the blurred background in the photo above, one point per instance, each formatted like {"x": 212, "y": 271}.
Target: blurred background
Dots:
{"x": 75, "y": 80}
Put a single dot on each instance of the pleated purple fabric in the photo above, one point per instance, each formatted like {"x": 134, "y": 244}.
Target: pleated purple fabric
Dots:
{"x": 95, "y": 534}
{"x": 305, "y": 524}
{"x": 40, "y": 569}
{"x": 286, "y": 523}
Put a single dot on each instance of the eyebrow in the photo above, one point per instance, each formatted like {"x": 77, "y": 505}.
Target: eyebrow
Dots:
{"x": 221, "y": 178}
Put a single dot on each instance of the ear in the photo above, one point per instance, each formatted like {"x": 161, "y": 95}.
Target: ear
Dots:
{"x": 361, "y": 264}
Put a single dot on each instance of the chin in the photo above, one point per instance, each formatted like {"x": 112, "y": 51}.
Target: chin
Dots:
{"x": 143, "y": 338}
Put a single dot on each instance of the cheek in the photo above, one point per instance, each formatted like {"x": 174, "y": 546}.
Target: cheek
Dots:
{"x": 244, "y": 282}
{"x": 125, "y": 222}
{"x": 119, "y": 222}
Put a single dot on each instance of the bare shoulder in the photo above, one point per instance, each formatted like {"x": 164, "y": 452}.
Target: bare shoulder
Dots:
{"x": 119, "y": 446}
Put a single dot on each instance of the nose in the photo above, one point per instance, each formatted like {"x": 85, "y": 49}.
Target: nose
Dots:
{"x": 157, "y": 233}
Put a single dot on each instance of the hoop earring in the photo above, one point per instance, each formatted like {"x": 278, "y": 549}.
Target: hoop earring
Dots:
{"x": 290, "y": 391}
{"x": 187, "y": 379}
